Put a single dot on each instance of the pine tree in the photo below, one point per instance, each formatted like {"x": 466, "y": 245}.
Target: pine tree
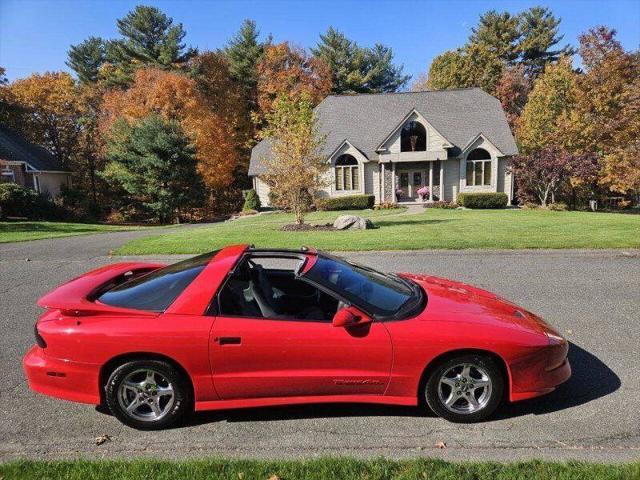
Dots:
{"x": 499, "y": 33}
{"x": 244, "y": 51}
{"x": 87, "y": 58}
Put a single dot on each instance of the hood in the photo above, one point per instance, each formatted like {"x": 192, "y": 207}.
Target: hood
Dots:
{"x": 475, "y": 305}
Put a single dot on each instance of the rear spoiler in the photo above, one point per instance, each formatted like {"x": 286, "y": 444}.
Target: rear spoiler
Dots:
{"x": 76, "y": 296}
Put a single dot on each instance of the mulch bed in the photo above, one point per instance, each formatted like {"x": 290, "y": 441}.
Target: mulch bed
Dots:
{"x": 305, "y": 227}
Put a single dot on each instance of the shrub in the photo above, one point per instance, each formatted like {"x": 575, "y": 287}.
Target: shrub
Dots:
{"x": 251, "y": 201}
{"x": 558, "y": 207}
{"x": 386, "y": 206}
{"x": 17, "y": 201}
{"x": 483, "y": 200}
{"x": 441, "y": 204}
{"x": 349, "y": 202}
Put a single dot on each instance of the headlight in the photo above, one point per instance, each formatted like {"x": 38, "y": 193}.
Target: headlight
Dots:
{"x": 554, "y": 339}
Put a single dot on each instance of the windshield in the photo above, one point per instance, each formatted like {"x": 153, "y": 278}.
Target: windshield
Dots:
{"x": 379, "y": 294}
{"x": 157, "y": 290}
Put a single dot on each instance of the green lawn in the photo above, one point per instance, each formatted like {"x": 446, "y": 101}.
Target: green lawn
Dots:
{"x": 21, "y": 231}
{"x": 321, "y": 469}
{"x": 433, "y": 228}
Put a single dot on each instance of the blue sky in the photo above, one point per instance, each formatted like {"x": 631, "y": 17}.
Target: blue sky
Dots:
{"x": 35, "y": 34}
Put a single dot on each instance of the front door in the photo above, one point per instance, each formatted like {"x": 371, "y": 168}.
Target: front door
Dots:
{"x": 409, "y": 184}
{"x": 260, "y": 357}
{"x": 273, "y": 337}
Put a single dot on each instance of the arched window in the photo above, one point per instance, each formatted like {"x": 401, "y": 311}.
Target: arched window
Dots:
{"x": 478, "y": 168}
{"x": 347, "y": 177}
{"x": 413, "y": 137}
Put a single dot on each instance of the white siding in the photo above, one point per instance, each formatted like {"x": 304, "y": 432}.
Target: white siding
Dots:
{"x": 451, "y": 179}
{"x": 262, "y": 189}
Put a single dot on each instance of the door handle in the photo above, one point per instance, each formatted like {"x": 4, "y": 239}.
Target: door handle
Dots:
{"x": 228, "y": 340}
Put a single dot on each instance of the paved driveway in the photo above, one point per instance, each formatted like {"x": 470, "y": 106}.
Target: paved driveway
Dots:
{"x": 593, "y": 297}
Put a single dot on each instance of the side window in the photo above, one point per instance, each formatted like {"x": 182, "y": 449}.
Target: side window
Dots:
{"x": 267, "y": 287}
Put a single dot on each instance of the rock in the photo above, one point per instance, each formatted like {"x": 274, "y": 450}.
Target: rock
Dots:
{"x": 352, "y": 222}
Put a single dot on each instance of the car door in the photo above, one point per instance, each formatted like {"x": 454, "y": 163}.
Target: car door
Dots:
{"x": 255, "y": 356}
{"x": 262, "y": 357}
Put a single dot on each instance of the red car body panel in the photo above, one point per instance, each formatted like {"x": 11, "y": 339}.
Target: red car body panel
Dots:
{"x": 284, "y": 361}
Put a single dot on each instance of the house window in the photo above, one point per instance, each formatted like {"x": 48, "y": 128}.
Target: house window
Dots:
{"x": 413, "y": 137}
{"x": 478, "y": 168}
{"x": 347, "y": 177}
{"x": 8, "y": 176}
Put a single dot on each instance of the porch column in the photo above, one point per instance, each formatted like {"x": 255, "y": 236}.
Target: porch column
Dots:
{"x": 382, "y": 193}
{"x": 393, "y": 182}
{"x": 441, "y": 180}
{"x": 431, "y": 181}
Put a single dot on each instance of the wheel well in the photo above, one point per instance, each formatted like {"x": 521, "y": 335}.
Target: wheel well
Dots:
{"x": 108, "y": 368}
{"x": 443, "y": 357}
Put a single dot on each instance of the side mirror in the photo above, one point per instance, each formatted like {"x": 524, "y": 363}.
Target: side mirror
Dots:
{"x": 347, "y": 317}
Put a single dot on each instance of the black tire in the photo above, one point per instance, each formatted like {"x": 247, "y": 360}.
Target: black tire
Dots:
{"x": 173, "y": 409}
{"x": 482, "y": 365}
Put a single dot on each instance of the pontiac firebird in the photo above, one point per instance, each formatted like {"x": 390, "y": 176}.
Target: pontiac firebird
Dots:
{"x": 245, "y": 327}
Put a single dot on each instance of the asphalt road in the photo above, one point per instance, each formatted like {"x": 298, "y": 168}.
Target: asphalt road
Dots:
{"x": 592, "y": 296}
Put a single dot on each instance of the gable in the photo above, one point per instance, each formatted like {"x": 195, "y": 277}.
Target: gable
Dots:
{"x": 435, "y": 140}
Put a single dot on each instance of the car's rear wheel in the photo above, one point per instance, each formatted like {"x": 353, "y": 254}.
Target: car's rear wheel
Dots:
{"x": 465, "y": 389}
{"x": 148, "y": 394}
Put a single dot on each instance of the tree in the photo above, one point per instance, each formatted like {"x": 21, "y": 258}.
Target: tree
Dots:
{"x": 296, "y": 166}
{"x": 87, "y": 58}
{"x": 49, "y": 107}
{"x": 499, "y": 33}
{"x": 513, "y": 92}
{"x": 153, "y": 161}
{"x": 290, "y": 71}
{"x": 545, "y": 172}
{"x": 552, "y": 97}
{"x": 3, "y": 76}
{"x": 356, "y": 69}
{"x": 538, "y": 35}
{"x": 473, "y": 66}
{"x": 244, "y": 51}
{"x": 176, "y": 97}
{"x": 148, "y": 39}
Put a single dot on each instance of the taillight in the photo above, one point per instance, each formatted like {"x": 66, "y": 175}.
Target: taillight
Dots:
{"x": 39, "y": 340}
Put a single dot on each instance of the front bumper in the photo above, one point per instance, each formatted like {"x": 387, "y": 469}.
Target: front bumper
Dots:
{"x": 540, "y": 372}
{"x": 73, "y": 381}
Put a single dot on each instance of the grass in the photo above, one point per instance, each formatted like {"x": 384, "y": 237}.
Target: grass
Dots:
{"x": 325, "y": 468}
{"x": 22, "y": 231}
{"x": 431, "y": 229}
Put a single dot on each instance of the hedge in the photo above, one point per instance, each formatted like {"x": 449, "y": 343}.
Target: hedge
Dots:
{"x": 483, "y": 200}
{"x": 252, "y": 201}
{"x": 17, "y": 201}
{"x": 348, "y": 202}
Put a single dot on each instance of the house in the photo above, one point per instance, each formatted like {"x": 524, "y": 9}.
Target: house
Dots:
{"x": 30, "y": 165}
{"x": 450, "y": 141}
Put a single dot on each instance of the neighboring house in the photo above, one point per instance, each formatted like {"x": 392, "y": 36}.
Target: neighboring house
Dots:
{"x": 30, "y": 165}
{"x": 450, "y": 141}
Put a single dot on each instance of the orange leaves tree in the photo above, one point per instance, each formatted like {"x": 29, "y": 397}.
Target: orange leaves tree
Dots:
{"x": 177, "y": 97}
{"x": 290, "y": 71}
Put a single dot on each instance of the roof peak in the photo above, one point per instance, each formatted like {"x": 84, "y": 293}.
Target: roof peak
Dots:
{"x": 350, "y": 95}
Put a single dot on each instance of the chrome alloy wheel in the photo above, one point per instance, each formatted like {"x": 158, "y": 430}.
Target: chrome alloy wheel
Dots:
{"x": 146, "y": 395}
{"x": 464, "y": 388}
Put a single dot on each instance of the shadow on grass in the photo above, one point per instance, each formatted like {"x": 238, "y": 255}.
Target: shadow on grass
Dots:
{"x": 590, "y": 380}
{"x": 426, "y": 221}
{"x": 39, "y": 227}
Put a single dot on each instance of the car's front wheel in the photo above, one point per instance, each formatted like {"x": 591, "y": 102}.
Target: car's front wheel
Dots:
{"x": 148, "y": 394}
{"x": 466, "y": 388}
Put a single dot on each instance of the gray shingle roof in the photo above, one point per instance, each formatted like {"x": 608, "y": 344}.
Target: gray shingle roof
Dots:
{"x": 366, "y": 120}
{"x": 16, "y": 148}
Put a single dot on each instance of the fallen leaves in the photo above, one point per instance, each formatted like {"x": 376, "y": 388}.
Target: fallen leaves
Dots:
{"x": 102, "y": 439}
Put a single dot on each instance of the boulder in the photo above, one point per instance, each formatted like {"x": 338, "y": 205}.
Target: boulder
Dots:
{"x": 352, "y": 222}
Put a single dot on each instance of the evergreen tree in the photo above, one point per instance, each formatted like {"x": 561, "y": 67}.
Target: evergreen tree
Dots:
{"x": 539, "y": 34}
{"x": 356, "y": 69}
{"x": 87, "y": 58}
{"x": 499, "y": 33}
{"x": 244, "y": 51}
{"x": 153, "y": 161}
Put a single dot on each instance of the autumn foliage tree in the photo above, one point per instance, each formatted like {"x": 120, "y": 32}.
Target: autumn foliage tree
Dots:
{"x": 513, "y": 92}
{"x": 176, "y": 97}
{"x": 290, "y": 71}
{"x": 296, "y": 167}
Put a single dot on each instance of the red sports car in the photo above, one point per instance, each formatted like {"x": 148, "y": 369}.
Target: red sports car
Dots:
{"x": 244, "y": 327}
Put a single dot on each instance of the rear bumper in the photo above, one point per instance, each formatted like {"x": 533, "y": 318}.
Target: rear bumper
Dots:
{"x": 76, "y": 382}
{"x": 540, "y": 373}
